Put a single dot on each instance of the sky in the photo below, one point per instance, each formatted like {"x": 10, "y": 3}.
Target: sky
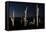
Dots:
{"x": 20, "y": 8}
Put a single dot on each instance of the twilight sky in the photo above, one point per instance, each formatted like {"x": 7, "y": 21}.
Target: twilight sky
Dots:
{"x": 20, "y": 8}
